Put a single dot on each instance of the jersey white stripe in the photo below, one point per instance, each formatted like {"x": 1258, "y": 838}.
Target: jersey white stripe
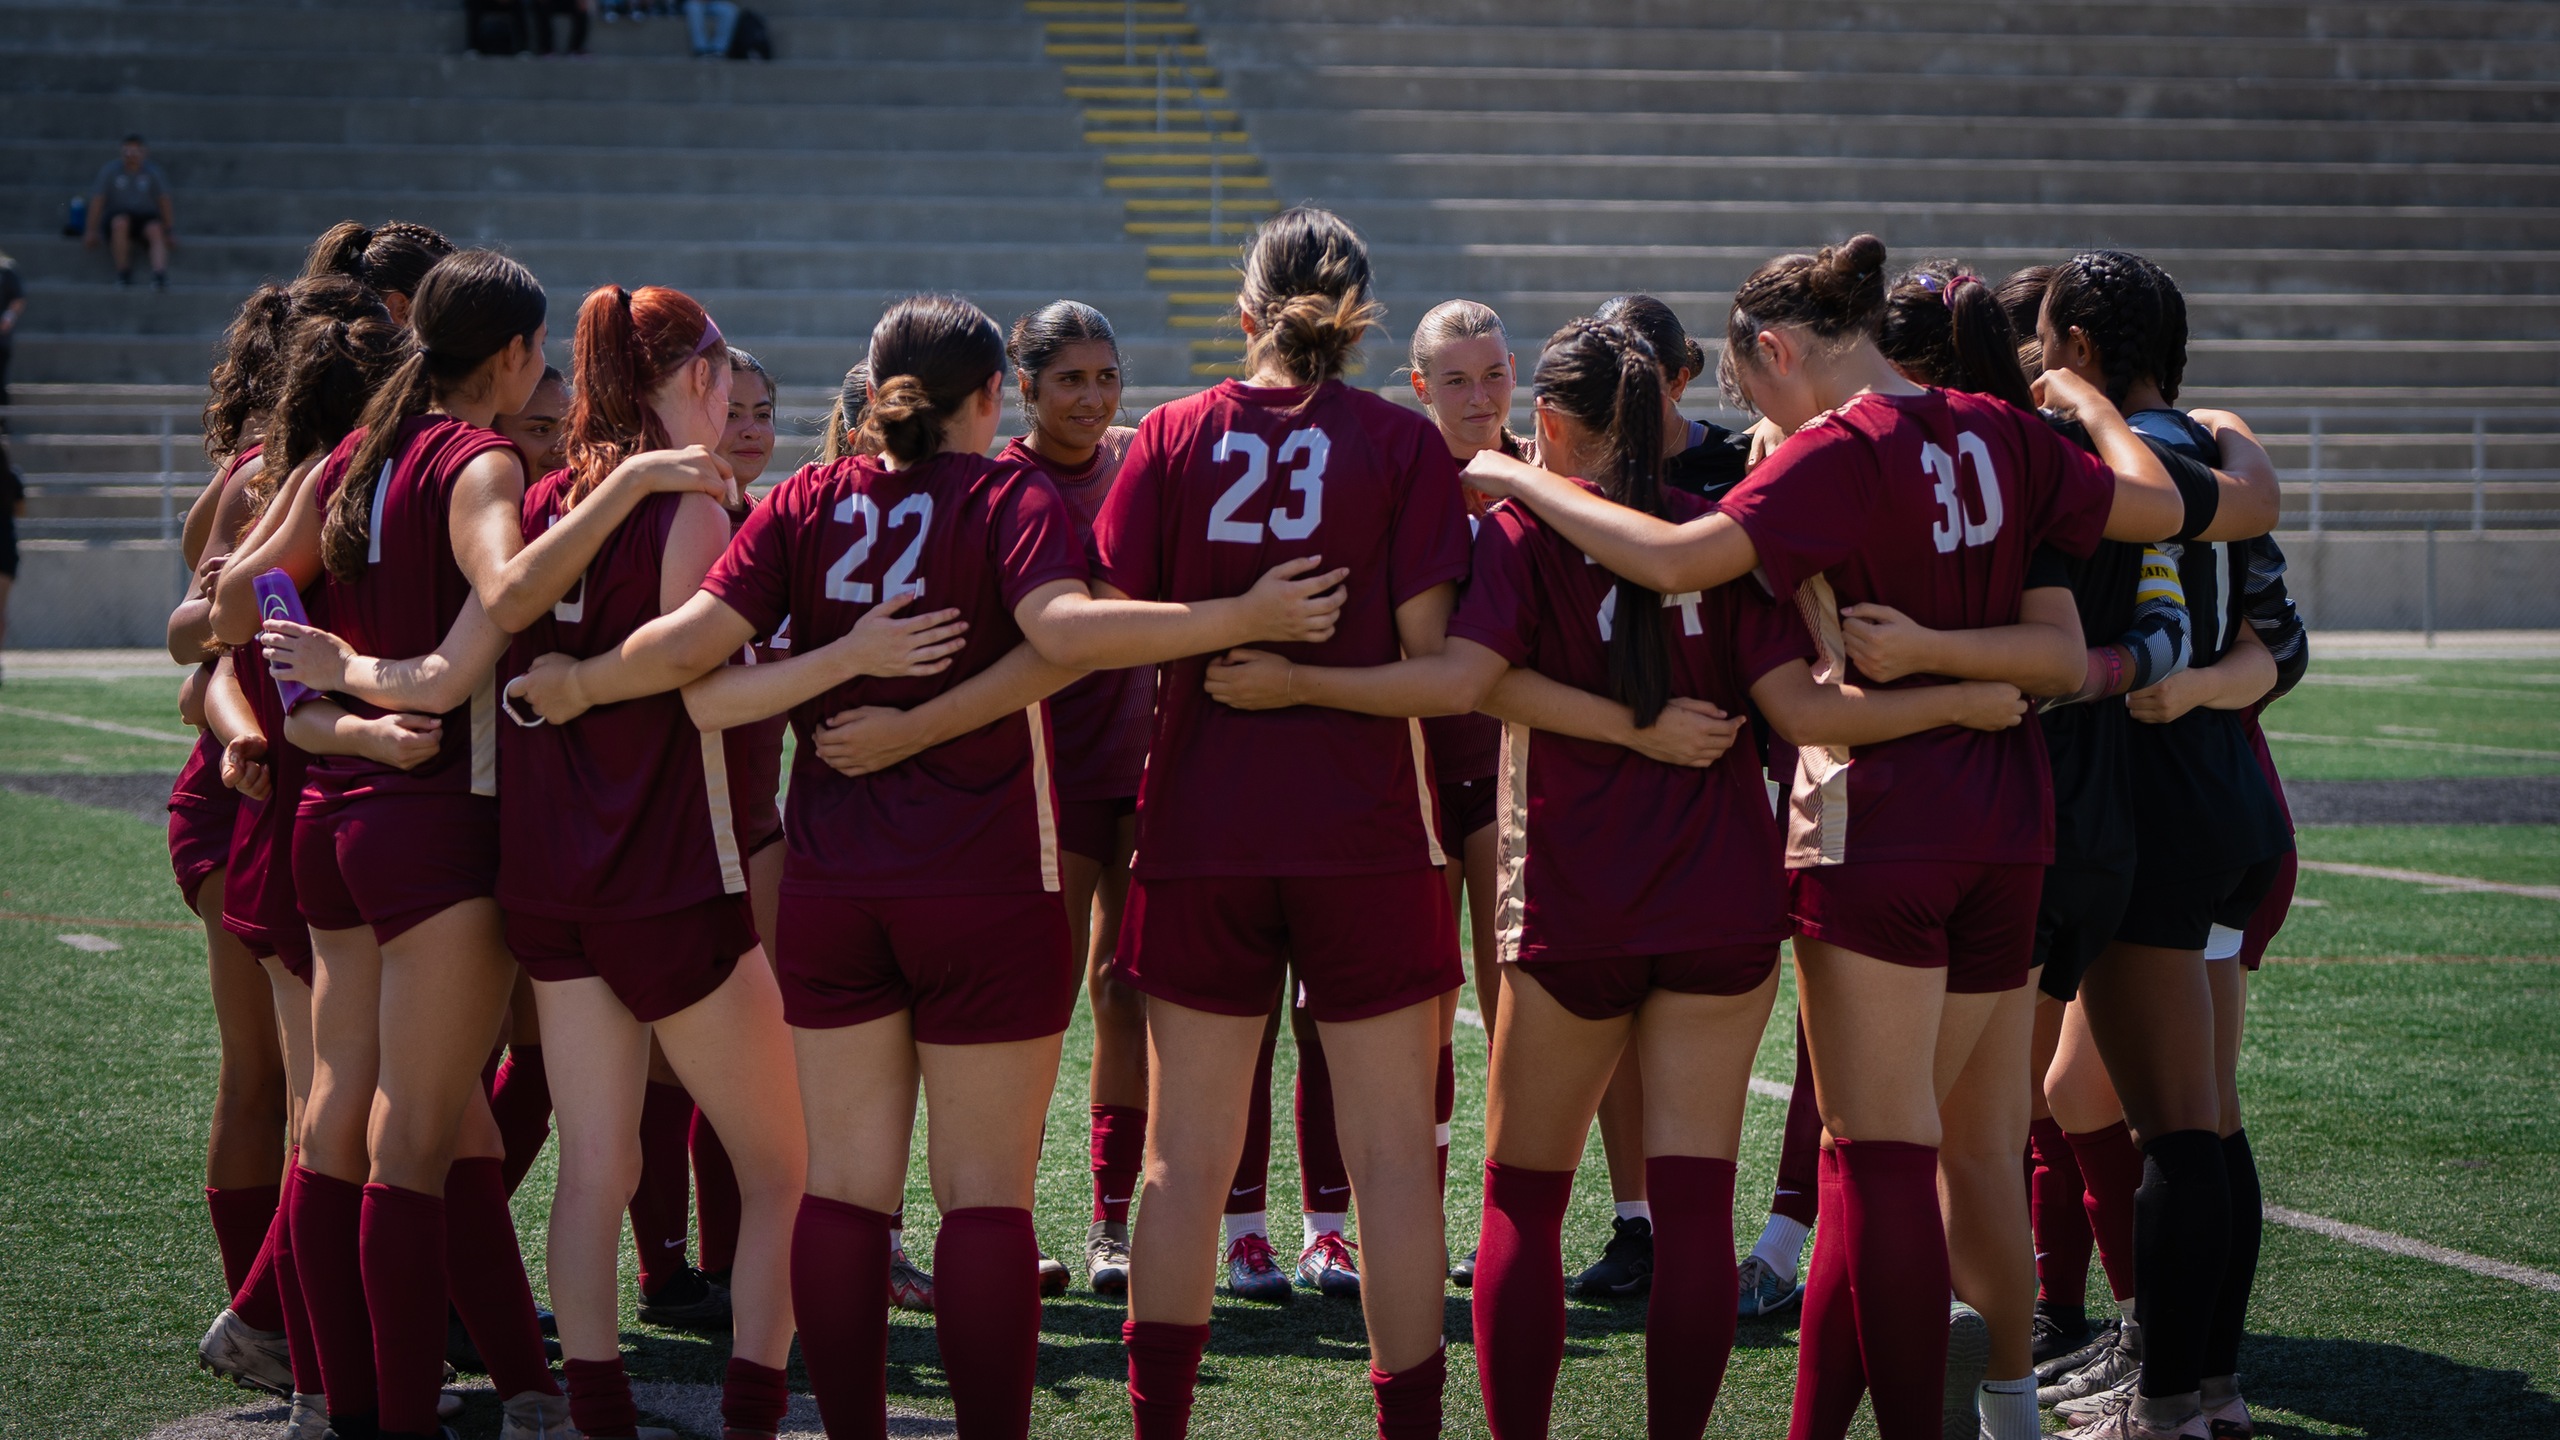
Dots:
{"x": 484, "y": 734}
{"x": 1818, "y": 804}
{"x": 724, "y": 822}
{"x": 1511, "y": 842}
{"x": 1044, "y": 798}
{"x": 1422, "y": 792}
{"x": 373, "y": 530}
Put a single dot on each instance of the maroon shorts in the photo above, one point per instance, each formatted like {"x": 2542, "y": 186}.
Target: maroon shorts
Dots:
{"x": 2269, "y": 917}
{"x": 1466, "y": 806}
{"x": 393, "y": 861}
{"x": 975, "y": 969}
{"x": 1973, "y": 919}
{"x": 288, "y": 943}
{"x": 1608, "y": 986}
{"x": 199, "y": 844}
{"x": 1362, "y": 945}
{"x": 1091, "y": 828}
{"x": 656, "y": 965}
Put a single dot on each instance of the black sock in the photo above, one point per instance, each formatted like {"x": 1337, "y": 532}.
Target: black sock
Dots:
{"x": 2240, "y": 1262}
{"x": 2181, "y": 1233}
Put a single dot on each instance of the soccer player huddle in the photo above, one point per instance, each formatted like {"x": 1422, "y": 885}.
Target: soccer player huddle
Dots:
{"x": 1227, "y": 720}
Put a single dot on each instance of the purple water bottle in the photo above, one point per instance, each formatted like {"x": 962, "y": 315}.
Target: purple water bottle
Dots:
{"x": 278, "y": 599}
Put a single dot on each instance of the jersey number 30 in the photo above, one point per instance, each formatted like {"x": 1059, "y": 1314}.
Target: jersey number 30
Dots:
{"x": 1308, "y": 448}
{"x": 1955, "y": 526}
{"x": 860, "y": 509}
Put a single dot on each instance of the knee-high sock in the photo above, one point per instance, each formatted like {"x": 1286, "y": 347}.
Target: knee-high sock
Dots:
{"x": 1250, "y": 1193}
{"x": 986, "y": 1314}
{"x": 2240, "y": 1261}
{"x": 1519, "y": 1297}
{"x": 658, "y": 1206}
{"x": 404, "y": 1291}
{"x": 1323, "y": 1180}
{"x": 839, "y": 1271}
{"x": 1119, "y": 1151}
{"x": 753, "y": 1397}
{"x": 259, "y": 1297}
{"x": 300, "y": 1344}
{"x": 328, "y": 1222}
{"x": 242, "y": 1216}
{"x": 2059, "y": 1215}
{"x": 1897, "y": 1252}
{"x": 1409, "y": 1400}
{"x": 521, "y": 1099}
{"x": 1800, "y": 1147}
{"x": 1830, "y": 1376}
{"x": 1690, "y": 1318}
{"x": 1164, "y": 1369}
{"x": 2111, "y": 1168}
{"x": 485, "y": 1275}
{"x": 600, "y": 1399}
{"x": 2181, "y": 1237}
{"x": 715, "y": 1197}
{"x": 1444, "y": 1105}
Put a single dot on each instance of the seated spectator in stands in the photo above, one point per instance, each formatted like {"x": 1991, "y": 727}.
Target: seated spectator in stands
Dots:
{"x": 132, "y": 194}
{"x": 710, "y": 23}
{"x": 13, "y": 303}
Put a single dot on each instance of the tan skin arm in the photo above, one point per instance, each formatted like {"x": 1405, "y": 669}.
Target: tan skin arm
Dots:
{"x": 884, "y": 642}
{"x": 517, "y": 581}
{"x": 320, "y": 727}
{"x": 1687, "y": 733}
{"x": 2252, "y": 499}
{"x": 2043, "y": 654}
{"x": 431, "y": 684}
{"x": 1451, "y": 677}
{"x": 287, "y": 537}
{"x": 1805, "y": 713}
{"x": 1095, "y": 627}
{"x": 873, "y": 738}
{"x": 2235, "y": 682}
{"x": 225, "y": 509}
{"x": 227, "y": 714}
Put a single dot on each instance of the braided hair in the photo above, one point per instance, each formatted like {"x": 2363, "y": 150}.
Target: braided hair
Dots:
{"x": 2131, "y": 313}
{"x": 1945, "y": 327}
{"x": 1603, "y": 375}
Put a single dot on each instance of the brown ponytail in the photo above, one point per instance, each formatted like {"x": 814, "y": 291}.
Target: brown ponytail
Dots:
{"x": 332, "y": 368}
{"x": 466, "y": 311}
{"x": 843, "y": 434}
{"x": 1945, "y": 327}
{"x": 1306, "y": 285}
{"x": 244, "y": 380}
{"x": 1604, "y": 376}
{"x": 629, "y": 342}
{"x": 929, "y": 354}
{"x": 1836, "y": 295}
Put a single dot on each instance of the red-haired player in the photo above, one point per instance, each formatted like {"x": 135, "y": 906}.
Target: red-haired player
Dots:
{"x": 412, "y": 518}
{"x": 921, "y": 933}
{"x": 1913, "y": 904}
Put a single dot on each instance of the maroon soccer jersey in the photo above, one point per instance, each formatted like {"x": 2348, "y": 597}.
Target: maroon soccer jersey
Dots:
{"x": 1603, "y": 851}
{"x": 1932, "y": 504}
{"x": 1218, "y": 488}
{"x": 1102, "y": 719}
{"x": 1464, "y": 747}
{"x": 625, "y": 810}
{"x": 405, "y": 600}
{"x": 976, "y": 815}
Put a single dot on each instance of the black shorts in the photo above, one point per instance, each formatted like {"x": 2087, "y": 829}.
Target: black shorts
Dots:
{"x": 2079, "y": 914}
{"x": 2184, "y": 913}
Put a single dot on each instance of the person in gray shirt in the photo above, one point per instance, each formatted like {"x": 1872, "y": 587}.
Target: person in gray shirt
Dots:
{"x": 132, "y": 195}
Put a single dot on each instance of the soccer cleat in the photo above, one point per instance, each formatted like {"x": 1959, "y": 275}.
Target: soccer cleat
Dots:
{"x": 1331, "y": 1266}
{"x": 687, "y": 1302}
{"x": 2229, "y": 1420}
{"x": 1625, "y": 1268}
{"x": 2102, "y": 1338}
{"x": 1106, "y": 1257}
{"x": 533, "y": 1416}
{"x": 910, "y": 1287}
{"x": 2109, "y": 1368}
{"x": 1253, "y": 1272}
{"x": 2123, "y": 1423}
{"x": 1053, "y": 1276}
{"x": 1765, "y": 1292}
{"x": 1462, "y": 1273}
{"x": 309, "y": 1418}
{"x": 249, "y": 1358}
{"x": 2081, "y": 1409}
{"x": 448, "y": 1405}
{"x": 1968, "y": 1357}
{"x": 2058, "y": 1331}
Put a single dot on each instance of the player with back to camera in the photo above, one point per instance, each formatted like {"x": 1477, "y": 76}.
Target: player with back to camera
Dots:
{"x": 1883, "y": 902}
{"x": 921, "y": 934}
{"x": 411, "y": 519}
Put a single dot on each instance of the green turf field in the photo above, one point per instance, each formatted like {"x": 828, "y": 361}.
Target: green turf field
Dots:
{"x": 2388, "y": 1089}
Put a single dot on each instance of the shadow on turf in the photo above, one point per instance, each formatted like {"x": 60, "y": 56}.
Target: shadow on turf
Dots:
{"x": 2386, "y": 1392}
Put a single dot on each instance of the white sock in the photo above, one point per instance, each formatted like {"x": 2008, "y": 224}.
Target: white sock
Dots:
{"x": 1329, "y": 1222}
{"x": 2009, "y": 1409}
{"x": 897, "y": 1242}
{"x": 2124, "y": 1309}
{"x": 1781, "y": 1245}
{"x": 1636, "y": 1210}
{"x": 1239, "y": 1226}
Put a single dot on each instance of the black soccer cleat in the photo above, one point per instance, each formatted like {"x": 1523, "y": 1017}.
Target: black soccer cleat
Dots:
{"x": 1625, "y": 1268}
{"x": 2059, "y": 1330}
{"x": 687, "y": 1302}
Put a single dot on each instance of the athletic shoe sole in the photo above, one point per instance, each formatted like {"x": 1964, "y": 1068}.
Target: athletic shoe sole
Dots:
{"x": 1968, "y": 1357}
{"x": 250, "y": 1359}
{"x": 2052, "y": 1371}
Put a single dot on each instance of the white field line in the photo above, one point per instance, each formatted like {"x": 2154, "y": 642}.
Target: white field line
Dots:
{"x": 2416, "y": 685}
{"x": 110, "y": 726}
{"x": 2370, "y": 1239}
{"x": 2448, "y": 747}
{"x": 2462, "y": 883}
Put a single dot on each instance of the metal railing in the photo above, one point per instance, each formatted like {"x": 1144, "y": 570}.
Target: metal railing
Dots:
{"x": 2319, "y": 479}
{"x": 162, "y": 482}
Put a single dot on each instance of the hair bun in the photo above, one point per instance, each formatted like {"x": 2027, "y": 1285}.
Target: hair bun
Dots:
{"x": 1856, "y": 257}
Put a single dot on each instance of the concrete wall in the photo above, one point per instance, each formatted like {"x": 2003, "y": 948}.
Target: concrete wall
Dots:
{"x": 76, "y": 596}
{"x": 72, "y": 595}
